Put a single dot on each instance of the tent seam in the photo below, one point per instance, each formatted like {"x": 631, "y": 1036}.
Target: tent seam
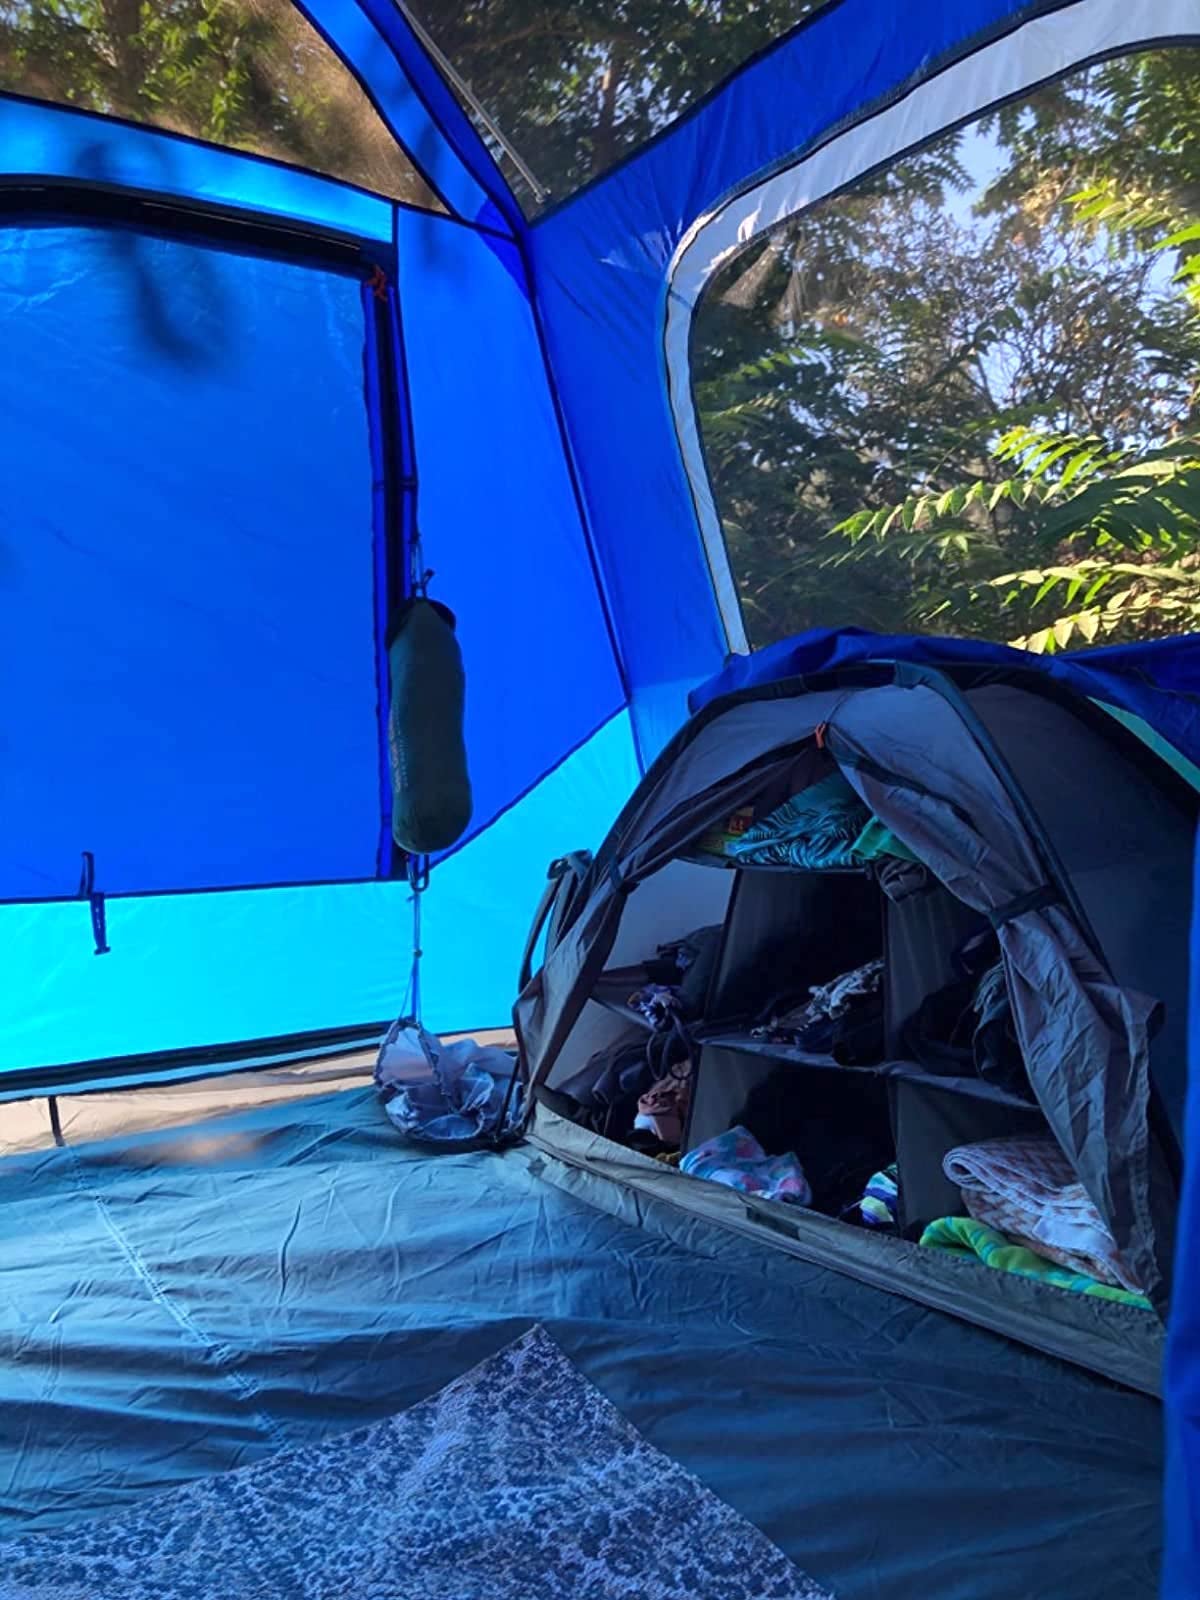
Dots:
{"x": 220, "y": 1355}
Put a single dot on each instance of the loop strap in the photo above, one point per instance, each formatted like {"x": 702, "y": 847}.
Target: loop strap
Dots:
{"x": 1035, "y": 900}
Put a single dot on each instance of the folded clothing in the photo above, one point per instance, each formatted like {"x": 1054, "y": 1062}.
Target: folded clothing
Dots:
{"x": 658, "y": 1003}
{"x": 662, "y": 1110}
{"x": 1027, "y": 1189}
{"x": 901, "y": 878}
{"x": 737, "y": 1159}
{"x": 877, "y": 840}
{"x": 967, "y": 1027}
{"x": 963, "y": 1236}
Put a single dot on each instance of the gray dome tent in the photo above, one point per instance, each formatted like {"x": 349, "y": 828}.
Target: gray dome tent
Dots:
{"x": 1038, "y": 815}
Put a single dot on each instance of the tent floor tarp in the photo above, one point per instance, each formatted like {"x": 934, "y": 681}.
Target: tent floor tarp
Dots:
{"x": 186, "y": 1300}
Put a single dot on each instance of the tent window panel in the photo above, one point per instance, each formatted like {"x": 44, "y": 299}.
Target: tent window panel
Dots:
{"x": 963, "y": 396}
{"x": 562, "y": 91}
{"x": 250, "y": 74}
{"x": 186, "y": 566}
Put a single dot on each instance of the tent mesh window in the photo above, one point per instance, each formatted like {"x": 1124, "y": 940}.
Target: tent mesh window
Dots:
{"x": 899, "y": 388}
{"x": 564, "y": 90}
{"x": 250, "y": 74}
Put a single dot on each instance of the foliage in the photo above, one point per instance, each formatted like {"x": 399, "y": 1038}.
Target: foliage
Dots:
{"x": 574, "y": 84}
{"x": 247, "y": 73}
{"x": 1136, "y": 512}
{"x": 964, "y": 396}
{"x": 1133, "y": 511}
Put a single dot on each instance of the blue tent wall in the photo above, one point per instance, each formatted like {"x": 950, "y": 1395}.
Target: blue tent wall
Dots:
{"x": 189, "y": 660}
{"x": 570, "y": 606}
{"x": 1181, "y": 1557}
{"x": 170, "y": 541}
{"x": 215, "y": 969}
{"x": 499, "y": 521}
{"x": 603, "y": 262}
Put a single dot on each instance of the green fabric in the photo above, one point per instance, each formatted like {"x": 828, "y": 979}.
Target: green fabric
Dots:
{"x": 966, "y": 1237}
{"x": 431, "y": 787}
{"x": 877, "y": 840}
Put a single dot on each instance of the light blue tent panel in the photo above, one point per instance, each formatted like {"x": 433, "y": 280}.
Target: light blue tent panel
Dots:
{"x": 213, "y": 969}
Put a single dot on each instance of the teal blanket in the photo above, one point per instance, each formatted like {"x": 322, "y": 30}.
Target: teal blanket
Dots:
{"x": 825, "y": 825}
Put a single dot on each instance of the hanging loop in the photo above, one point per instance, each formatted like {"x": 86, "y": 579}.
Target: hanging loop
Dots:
{"x": 418, "y": 573}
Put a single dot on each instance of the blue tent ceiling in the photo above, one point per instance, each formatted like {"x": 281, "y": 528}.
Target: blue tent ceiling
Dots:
{"x": 309, "y": 109}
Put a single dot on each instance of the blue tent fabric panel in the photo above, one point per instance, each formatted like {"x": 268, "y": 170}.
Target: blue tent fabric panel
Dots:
{"x": 481, "y": 901}
{"x": 186, "y": 567}
{"x": 77, "y": 148}
{"x": 1158, "y": 681}
{"x": 208, "y": 969}
{"x": 499, "y": 523}
{"x": 602, "y": 264}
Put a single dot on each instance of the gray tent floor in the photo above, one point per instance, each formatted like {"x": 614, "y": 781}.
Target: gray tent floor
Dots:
{"x": 178, "y": 1303}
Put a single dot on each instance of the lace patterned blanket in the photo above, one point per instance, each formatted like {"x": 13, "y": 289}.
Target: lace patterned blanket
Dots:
{"x": 518, "y": 1480}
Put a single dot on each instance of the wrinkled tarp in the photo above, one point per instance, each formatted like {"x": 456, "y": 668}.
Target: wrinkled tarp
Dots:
{"x": 178, "y": 1303}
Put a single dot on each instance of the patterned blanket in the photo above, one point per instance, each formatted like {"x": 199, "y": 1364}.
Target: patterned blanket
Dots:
{"x": 517, "y": 1480}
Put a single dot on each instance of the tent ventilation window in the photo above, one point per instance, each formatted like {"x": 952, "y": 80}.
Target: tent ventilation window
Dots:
{"x": 255, "y": 77}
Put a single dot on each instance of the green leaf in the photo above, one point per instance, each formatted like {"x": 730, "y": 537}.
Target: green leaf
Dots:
{"x": 1180, "y": 236}
{"x": 1049, "y": 457}
{"x": 886, "y": 526}
{"x": 1088, "y": 623}
{"x": 1078, "y": 463}
{"x": 1001, "y": 492}
{"x": 1063, "y": 629}
{"x": 1095, "y": 588}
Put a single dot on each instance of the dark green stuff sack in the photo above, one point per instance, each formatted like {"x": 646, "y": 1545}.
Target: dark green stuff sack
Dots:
{"x": 431, "y": 789}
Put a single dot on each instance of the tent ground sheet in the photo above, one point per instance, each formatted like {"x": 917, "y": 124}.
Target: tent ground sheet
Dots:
{"x": 183, "y": 1301}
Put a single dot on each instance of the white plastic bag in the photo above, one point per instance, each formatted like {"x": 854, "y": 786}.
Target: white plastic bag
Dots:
{"x": 446, "y": 1094}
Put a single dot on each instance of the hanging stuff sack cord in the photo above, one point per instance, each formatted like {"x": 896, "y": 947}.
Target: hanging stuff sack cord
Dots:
{"x": 418, "y": 882}
{"x": 437, "y": 1102}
